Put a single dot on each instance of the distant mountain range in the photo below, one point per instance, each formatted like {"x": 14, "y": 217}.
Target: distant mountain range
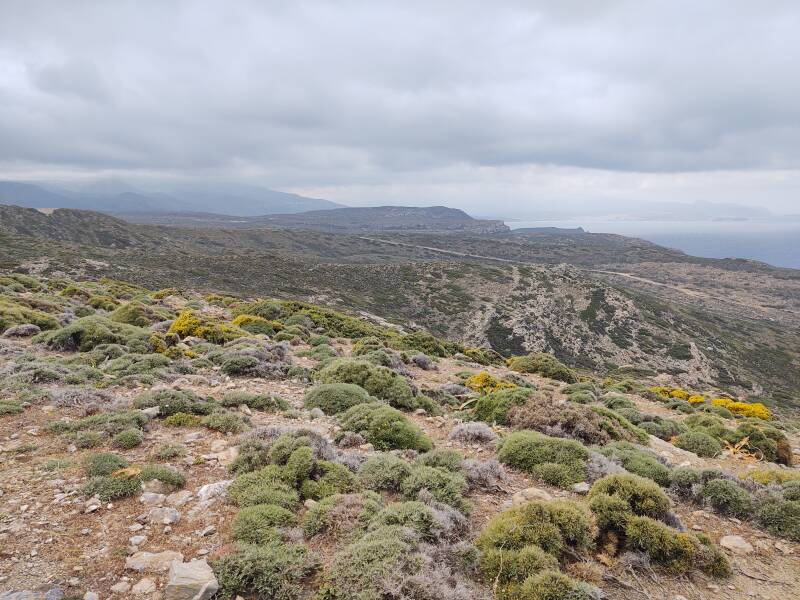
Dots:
{"x": 337, "y": 220}
{"x": 114, "y": 196}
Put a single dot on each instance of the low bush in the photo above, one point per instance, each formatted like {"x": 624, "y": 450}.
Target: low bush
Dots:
{"x": 164, "y": 474}
{"x": 686, "y": 483}
{"x": 256, "y": 325}
{"x": 265, "y": 402}
{"x": 550, "y": 584}
{"x": 256, "y": 524}
{"x": 728, "y": 498}
{"x": 128, "y": 438}
{"x": 182, "y": 419}
{"x": 664, "y": 429}
{"x": 112, "y": 487}
{"x": 412, "y": 514}
{"x": 103, "y": 463}
{"x": 385, "y": 428}
{"x": 543, "y": 364}
{"x": 638, "y": 461}
{"x": 381, "y": 382}
{"x": 557, "y": 461}
{"x": 328, "y": 478}
{"x": 698, "y": 442}
{"x": 334, "y": 398}
{"x": 445, "y": 486}
{"x": 269, "y": 571}
{"x": 473, "y": 433}
{"x": 267, "y": 485}
{"x": 384, "y": 472}
{"x": 87, "y": 333}
{"x": 615, "y": 498}
{"x": 341, "y": 515}
{"x": 779, "y": 516}
{"x": 10, "y": 407}
{"x": 170, "y": 402}
{"x": 443, "y": 459}
{"x": 484, "y": 383}
{"x": 225, "y": 422}
{"x": 494, "y": 407}
{"x": 168, "y": 450}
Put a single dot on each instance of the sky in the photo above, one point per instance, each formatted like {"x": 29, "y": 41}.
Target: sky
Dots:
{"x": 504, "y": 107}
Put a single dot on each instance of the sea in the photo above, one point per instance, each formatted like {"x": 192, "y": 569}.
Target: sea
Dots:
{"x": 774, "y": 242}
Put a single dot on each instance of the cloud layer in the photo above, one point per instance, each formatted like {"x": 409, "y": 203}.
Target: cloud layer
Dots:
{"x": 360, "y": 99}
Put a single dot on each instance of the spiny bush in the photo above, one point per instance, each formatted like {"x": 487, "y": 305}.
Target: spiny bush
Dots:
{"x": 728, "y": 498}
{"x": 384, "y": 472}
{"x": 385, "y": 428}
{"x": 615, "y": 498}
{"x": 342, "y": 515}
{"x": 182, "y": 419}
{"x": 88, "y": 439}
{"x": 267, "y": 485}
{"x": 664, "y": 429}
{"x": 698, "y": 442}
{"x": 256, "y": 524}
{"x": 445, "y": 486}
{"x": 10, "y": 407}
{"x": 89, "y": 332}
{"x": 443, "y": 459}
{"x": 677, "y": 552}
{"x": 133, "y": 313}
{"x": 257, "y": 325}
{"x": 494, "y": 407}
{"x": 270, "y": 571}
{"x": 108, "y": 423}
{"x": 423, "y": 341}
{"x": 484, "y": 383}
{"x": 265, "y": 402}
{"x": 334, "y": 398}
{"x": 551, "y": 584}
{"x": 192, "y": 324}
{"x": 543, "y": 364}
{"x": 164, "y": 474}
{"x": 770, "y": 476}
{"x": 380, "y": 382}
{"x": 170, "y": 402}
{"x": 473, "y": 433}
{"x": 167, "y": 451}
{"x": 412, "y": 514}
{"x": 638, "y": 461}
{"x": 556, "y": 461}
{"x": 103, "y": 463}
{"x": 112, "y": 487}
{"x": 225, "y": 422}
{"x": 686, "y": 483}
{"x": 779, "y": 516}
{"x": 128, "y": 438}
{"x": 328, "y": 478}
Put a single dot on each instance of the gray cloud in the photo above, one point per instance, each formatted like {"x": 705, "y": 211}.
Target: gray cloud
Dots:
{"x": 352, "y": 96}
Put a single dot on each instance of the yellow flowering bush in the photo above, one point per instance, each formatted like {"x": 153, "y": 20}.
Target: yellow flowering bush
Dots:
{"x": 679, "y": 393}
{"x": 485, "y": 383}
{"x": 769, "y": 476}
{"x": 190, "y": 323}
{"x": 696, "y": 399}
{"x": 745, "y": 409}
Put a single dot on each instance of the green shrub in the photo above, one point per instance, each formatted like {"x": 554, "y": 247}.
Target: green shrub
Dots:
{"x": 169, "y": 451}
{"x": 107, "y": 487}
{"x": 779, "y": 516}
{"x": 10, "y": 407}
{"x": 445, "y": 486}
{"x": 513, "y": 566}
{"x": 617, "y": 402}
{"x": 256, "y": 524}
{"x": 790, "y": 490}
{"x": 128, "y": 438}
{"x": 685, "y": 482}
{"x": 698, "y": 442}
{"x": 269, "y": 571}
{"x": 265, "y": 486}
{"x": 664, "y": 429}
{"x": 384, "y": 472}
{"x": 422, "y": 341}
{"x": 357, "y": 569}
{"x": 551, "y": 584}
{"x": 613, "y": 499}
{"x": 329, "y": 478}
{"x": 728, "y": 498}
{"x": 103, "y": 463}
{"x": 224, "y": 422}
{"x": 638, "y": 461}
{"x": 562, "y": 462}
{"x": 132, "y": 313}
{"x": 443, "y": 459}
{"x": 163, "y": 474}
{"x": 175, "y": 401}
{"x": 334, "y": 398}
{"x": 182, "y": 419}
{"x": 266, "y": 309}
{"x": 385, "y": 428}
{"x": 581, "y": 397}
{"x": 265, "y": 402}
{"x": 542, "y": 364}
{"x": 677, "y": 552}
{"x": 413, "y": 514}
{"x": 494, "y": 407}
{"x": 89, "y": 439}
{"x": 380, "y": 382}
{"x": 253, "y": 454}
{"x": 108, "y": 422}
{"x": 341, "y": 515}
{"x": 89, "y": 332}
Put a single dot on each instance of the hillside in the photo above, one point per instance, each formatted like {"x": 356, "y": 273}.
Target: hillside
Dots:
{"x": 173, "y": 444}
{"x": 118, "y": 197}
{"x": 373, "y": 219}
{"x": 608, "y": 303}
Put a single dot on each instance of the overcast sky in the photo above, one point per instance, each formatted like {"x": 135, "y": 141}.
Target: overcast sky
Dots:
{"x": 496, "y": 107}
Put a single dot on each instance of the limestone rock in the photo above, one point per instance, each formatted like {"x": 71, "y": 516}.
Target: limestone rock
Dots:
{"x": 144, "y": 587}
{"x": 152, "y": 562}
{"x": 193, "y": 580}
{"x": 736, "y": 544}
{"x": 164, "y": 516}
{"x": 530, "y": 494}
{"x": 211, "y": 491}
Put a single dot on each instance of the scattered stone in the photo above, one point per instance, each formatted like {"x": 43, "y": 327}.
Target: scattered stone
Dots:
{"x": 152, "y": 411}
{"x": 144, "y": 586}
{"x": 26, "y": 330}
{"x": 210, "y": 530}
{"x": 152, "y": 562}
{"x": 138, "y": 540}
{"x": 581, "y": 488}
{"x": 310, "y": 503}
{"x": 529, "y": 494}
{"x": 152, "y": 499}
{"x": 121, "y": 588}
{"x": 91, "y": 596}
{"x": 193, "y": 580}
{"x": 156, "y": 486}
{"x": 165, "y": 515}
{"x": 178, "y": 499}
{"x": 211, "y": 491}
{"x": 736, "y": 544}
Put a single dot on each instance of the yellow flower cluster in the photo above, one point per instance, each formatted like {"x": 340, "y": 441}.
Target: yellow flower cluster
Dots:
{"x": 745, "y": 409}
{"x": 485, "y": 383}
{"x": 696, "y": 399}
{"x": 769, "y": 476}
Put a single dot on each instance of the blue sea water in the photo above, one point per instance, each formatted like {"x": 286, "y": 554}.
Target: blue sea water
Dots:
{"x": 774, "y": 242}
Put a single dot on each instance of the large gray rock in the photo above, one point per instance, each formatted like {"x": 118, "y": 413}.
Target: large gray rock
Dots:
{"x": 165, "y": 516}
{"x": 211, "y": 491}
{"x": 25, "y": 330}
{"x": 152, "y": 562}
{"x": 193, "y": 580}
{"x": 736, "y": 544}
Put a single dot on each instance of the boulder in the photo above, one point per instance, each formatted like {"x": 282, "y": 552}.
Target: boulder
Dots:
{"x": 152, "y": 562}
{"x": 193, "y": 580}
{"x": 165, "y": 515}
{"x": 211, "y": 491}
{"x": 736, "y": 544}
